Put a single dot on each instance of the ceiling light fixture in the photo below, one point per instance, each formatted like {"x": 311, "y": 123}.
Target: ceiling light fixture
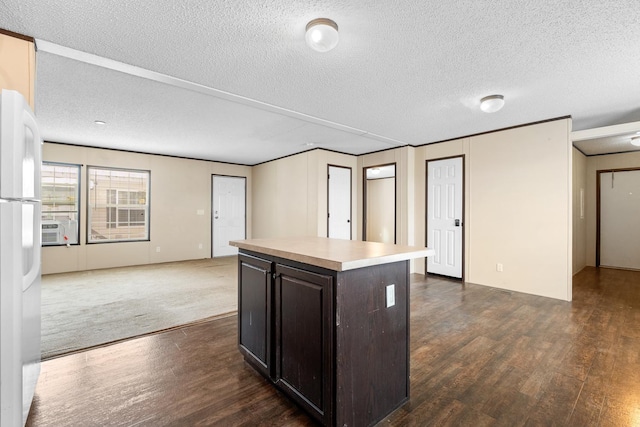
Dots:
{"x": 322, "y": 34}
{"x": 635, "y": 141}
{"x": 100, "y": 122}
{"x": 492, "y": 103}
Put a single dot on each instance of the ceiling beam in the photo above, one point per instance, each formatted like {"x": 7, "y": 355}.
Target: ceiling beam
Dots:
{"x": 88, "y": 58}
{"x": 606, "y": 131}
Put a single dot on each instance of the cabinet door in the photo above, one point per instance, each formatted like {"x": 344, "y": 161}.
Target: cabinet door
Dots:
{"x": 304, "y": 339}
{"x": 254, "y": 312}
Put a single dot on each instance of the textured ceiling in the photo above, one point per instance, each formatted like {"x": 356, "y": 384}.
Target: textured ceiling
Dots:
{"x": 611, "y": 144}
{"x": 404, "y": 72}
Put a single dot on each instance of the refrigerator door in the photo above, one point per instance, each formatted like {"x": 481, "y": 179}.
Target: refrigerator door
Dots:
{"x": 20, "y": 164}
{"x": 20, "y": 149}
{"x": 11, "y": 394}
{"x": 31, "y": 304}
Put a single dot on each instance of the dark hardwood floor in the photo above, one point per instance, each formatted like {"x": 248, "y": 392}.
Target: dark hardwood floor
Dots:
{"x": 479, "y": 357}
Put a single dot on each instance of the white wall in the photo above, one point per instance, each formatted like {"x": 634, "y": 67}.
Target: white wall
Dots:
{"x": 594, "y": 164}
{"x": 579, "y": 211}
{"x": 179, "y": 188}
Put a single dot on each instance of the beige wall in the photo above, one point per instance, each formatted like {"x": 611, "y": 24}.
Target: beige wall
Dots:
{"x": 458, "y": 147}
{"x": 380, "y": 211}
{"x": 290, "y": 194}
{"x": 579, "y": 211}
{"x": 18, "y": 66}
{"x": 520, "y": 209}
{"x": 179, "y": 188}
{"x": 518, "y": 203}
{"x": 518, "y": 189}
{"x": 594, "y": 164}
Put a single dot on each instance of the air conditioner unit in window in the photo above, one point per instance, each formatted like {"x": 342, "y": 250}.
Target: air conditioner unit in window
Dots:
{"x": 52, "y": 233}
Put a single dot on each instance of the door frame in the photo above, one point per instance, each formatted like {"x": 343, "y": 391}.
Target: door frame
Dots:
{"x": 395, "y": 199}
{"x": 426, "y": 209}
{"x": 350, "y": 197}
{"x": 599, "y": 205}
{"x": 213, "y": 175}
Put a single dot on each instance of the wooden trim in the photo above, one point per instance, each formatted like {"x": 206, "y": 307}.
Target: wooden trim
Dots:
{"x": 598, "y": 218}
{"x": 611, "y": 154}
{"x": 350, "y": 197}
{"x": 17, "y": 35}
{"x": 386, "y": 149}
{"x": 306, "y": 151}
{"x": 146, "y": 153}
{"x": 426, "y": 209}
{"x": 582, "y": 152}
{"x": 599, "y": 205}
{"x": 493, "y": 131}
{"x": 395, "y": 199}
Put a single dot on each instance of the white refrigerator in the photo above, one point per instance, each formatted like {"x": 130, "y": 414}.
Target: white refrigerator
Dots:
{"x": 20, "y": 164}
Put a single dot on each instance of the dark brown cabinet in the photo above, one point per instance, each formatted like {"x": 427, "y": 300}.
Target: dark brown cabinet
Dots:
{"x": 254, "y": 311}
{"x": 304, "y": 338}
{"x": 330, "y": 340}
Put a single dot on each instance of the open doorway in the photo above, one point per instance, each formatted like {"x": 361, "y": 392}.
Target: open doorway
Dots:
{"x": 379, "y": 203}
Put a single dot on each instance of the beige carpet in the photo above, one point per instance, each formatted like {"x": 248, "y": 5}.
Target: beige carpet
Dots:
{"x": 89, "y": 308}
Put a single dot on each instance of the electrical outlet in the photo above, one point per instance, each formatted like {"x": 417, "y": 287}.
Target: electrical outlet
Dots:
{"x": 199, "y": 245}
{"x": 499, "y": 267}
{"x": 157, "y": 248}
{"x": 391, "y": 295}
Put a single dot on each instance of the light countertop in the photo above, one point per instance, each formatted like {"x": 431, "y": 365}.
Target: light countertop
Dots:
{"x": 333, "y": 254}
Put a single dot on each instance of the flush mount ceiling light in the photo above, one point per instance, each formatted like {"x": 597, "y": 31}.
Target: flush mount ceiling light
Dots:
{"x": 322, "y": 34}
{"x": 492, "y": 103}
{"x": 100, "y": 122}
{"x": 635, "y": 141}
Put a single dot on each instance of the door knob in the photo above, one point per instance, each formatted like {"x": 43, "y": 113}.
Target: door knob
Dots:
{"x": 457, "y": 222}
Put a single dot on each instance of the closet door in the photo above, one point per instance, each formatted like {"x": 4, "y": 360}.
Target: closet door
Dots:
{"x": 620, "y": 219}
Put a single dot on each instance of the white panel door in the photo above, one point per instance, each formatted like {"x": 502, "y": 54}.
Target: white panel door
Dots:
{"x": 339, "y": 203}
{"x": 444, "y": 216}
{"x": 229, "y": 213}
{"x": 620, "y": 219}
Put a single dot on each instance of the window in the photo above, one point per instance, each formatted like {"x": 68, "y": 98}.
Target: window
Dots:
{"x": 60, "y": 203}
{"x": 118, "y": 208}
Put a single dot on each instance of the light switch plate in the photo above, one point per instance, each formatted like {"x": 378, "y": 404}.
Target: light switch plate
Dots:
{"x": 391, "y": 295}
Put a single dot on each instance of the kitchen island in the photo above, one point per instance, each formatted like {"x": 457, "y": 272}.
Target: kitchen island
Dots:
{"x": 327, "y": 321}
